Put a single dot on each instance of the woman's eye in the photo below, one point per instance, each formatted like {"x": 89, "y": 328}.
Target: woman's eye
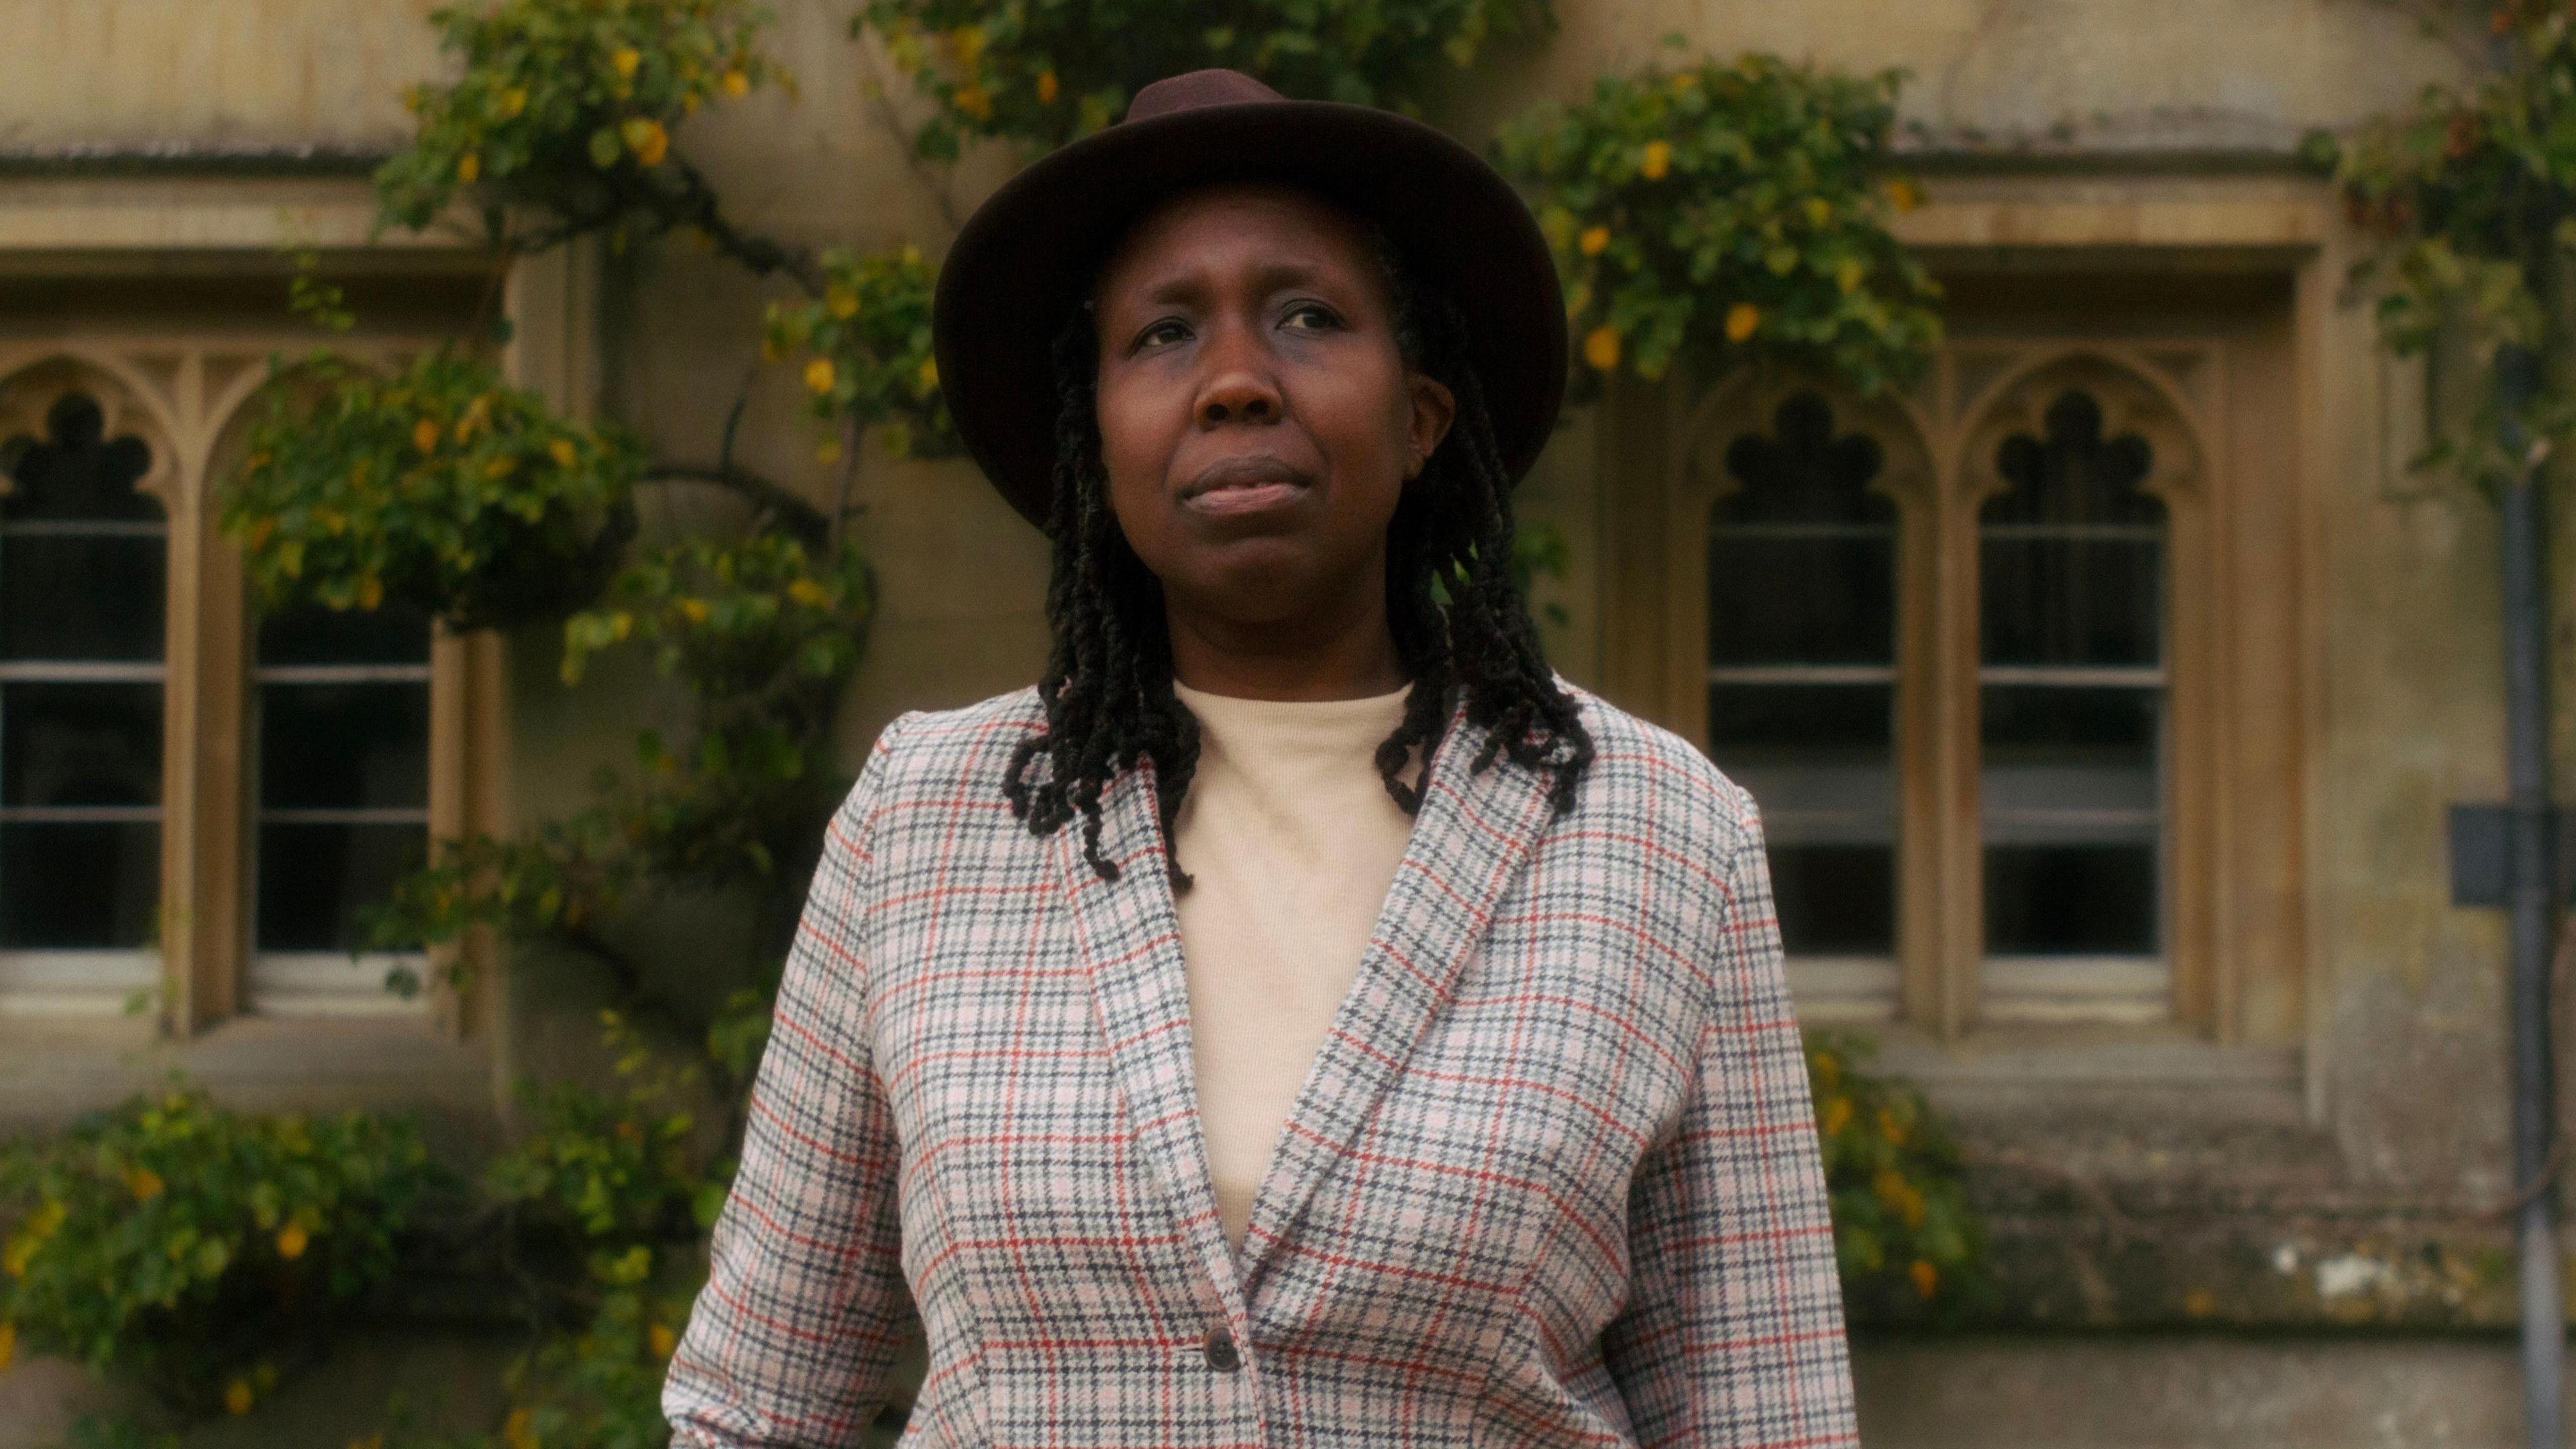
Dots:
{"x": 1167, "y": 330}
{"x": 1310, "y": 317}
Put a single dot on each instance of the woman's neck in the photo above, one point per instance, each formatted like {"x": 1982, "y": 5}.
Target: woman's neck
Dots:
{"x": 1303, "y": 659}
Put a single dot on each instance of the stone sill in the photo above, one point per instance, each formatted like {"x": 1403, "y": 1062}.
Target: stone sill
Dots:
{"x": 53, "y": 1070}
{"x": 2117, "y": 1069}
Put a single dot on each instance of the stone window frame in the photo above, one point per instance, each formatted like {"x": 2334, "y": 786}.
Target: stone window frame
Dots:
{"x": 1939, "y": 449}
{"x": 185, "y": 392}
{"x": 2298, "y": 352}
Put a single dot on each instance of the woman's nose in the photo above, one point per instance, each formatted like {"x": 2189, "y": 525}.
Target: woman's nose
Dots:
{"x": 1239, "y": 389}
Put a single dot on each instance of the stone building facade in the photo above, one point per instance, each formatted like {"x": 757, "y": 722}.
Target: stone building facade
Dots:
{"x": 2126, "y": 840}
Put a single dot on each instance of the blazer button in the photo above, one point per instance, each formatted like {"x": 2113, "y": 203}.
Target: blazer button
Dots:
{"x": 1221, "y": 1354}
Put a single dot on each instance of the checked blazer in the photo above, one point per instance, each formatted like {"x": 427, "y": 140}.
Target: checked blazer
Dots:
{"x": 1551, "y": 1181}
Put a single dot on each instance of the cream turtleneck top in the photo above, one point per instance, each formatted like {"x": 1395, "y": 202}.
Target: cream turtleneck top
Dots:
{"x": 1292, "y": 841}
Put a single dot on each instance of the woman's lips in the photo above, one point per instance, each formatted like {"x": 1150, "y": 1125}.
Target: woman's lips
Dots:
{"x": 1239, "y": 486}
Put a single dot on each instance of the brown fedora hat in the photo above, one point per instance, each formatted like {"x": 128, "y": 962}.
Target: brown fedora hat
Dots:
{"x": 1028, "y": 255}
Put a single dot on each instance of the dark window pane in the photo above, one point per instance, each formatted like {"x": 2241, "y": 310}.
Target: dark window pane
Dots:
{"x": 80, "y": 744}
{"x": 1802, "y": 572}
{"x": 75, "y": 471}
{"x": 1835, "y": 900}
{"x": 2071, "y": 566}
{"x": 344, "y": 636}
{"x": 2050, "y": 724}
{"x": 2073, "y": 476}
{"x": 83, "y": 886}
{"x": 1802, "y": 473}
{"x": 344, "y": 746}
{"x": 2045, "y": 600}
{"x": 1775, "y": 599}
{"x": 1812, "y": 723}
{"x": 2071, "y": 553}
{"x": 70, "y": 596}
{"x": 314, "y": 880}
{"x": 2076, "y": 900}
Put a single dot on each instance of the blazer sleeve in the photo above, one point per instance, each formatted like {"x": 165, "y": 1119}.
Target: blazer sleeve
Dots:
{"x": 805, "y": 1306}
{"x": 1733, "y": 1330}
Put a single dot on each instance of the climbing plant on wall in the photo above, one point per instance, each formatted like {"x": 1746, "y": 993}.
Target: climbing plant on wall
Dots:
{"x": 2470, "y": 195}
{"x": 1046, "y": 72}
{"x": 1720, "y": 214}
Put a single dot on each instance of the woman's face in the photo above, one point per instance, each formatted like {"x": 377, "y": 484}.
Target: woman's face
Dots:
{"x": 1256, "y": 419}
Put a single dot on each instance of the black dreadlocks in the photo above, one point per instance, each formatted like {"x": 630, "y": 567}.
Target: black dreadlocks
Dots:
{"x": 1460, "y": 625}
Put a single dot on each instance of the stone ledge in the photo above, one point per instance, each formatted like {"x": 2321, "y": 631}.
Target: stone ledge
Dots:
{"x": 2207, "y": 1391}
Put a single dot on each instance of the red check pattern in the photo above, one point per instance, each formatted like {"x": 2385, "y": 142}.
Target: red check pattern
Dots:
{"x": 1551, "y": 1181}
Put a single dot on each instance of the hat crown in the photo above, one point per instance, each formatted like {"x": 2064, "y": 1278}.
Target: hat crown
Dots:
{"x": 1195, "y": 90}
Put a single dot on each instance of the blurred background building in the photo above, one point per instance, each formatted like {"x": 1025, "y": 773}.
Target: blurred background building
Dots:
{"x": 2105, "y": 696}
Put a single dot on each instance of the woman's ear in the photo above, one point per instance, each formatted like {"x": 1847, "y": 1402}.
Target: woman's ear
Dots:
{"x": 1434, "y": 409}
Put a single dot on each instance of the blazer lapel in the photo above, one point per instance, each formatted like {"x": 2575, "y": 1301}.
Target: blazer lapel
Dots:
{"x": 1128, "y": 939}
{"x": 1469, "y": 843}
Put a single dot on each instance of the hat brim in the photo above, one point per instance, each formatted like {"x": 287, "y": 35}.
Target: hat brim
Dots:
{"x": 1029, "y": 254}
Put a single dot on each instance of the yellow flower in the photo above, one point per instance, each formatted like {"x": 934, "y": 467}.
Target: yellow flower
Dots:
{"x": 1742, "y": 320}
{"x": 1657, "y": 160}
{"x": 809, "y": 593}
{"x": 926, "y": 377}
{"x": 662, "y": 1339}
{"x": 1838, "y": 1112}
{"x": 820, "y": 374}
{"x": 518, "y": 1432}
{"x": 497, "y": 469}
{"x": 1849, "y": 273}
{"x": 469, "y": 166}
{"x": 736, "y": 84}
{"x": 1926, "y": 1277}
{"x": 144, "y": 1183}
{"x": 291, "y": 1239}
{"x": 237, "y": 1397}
{"x": 974, "y": 101}
{"x": 646, "y": 138}
{"x": 372, "y": 1441}
{"x": 1594, "y": 241}
{"x": 1601, "y": 348}
{"x": 1819, "y": 211}
{"x": 1828, "y": 1070}
{"x": 8, "y": 1345}
{"x": 695, "y": 610}
{"x": 1902, "y": 195}
{"x": 1890, "y": 1128}
{"x": 563, "y": 452}
{"x": 513, "y": 101}
{"x": 625, "y": 61}
{"x": 841, "y": 301}
{"x": 966, "y": 43}
{"x": 371, "y": 592}
{"x": 424, "y": 434}
{"x": 1047, "y": 87}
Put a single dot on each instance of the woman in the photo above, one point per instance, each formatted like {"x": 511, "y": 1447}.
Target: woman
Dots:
{"x": 1303, "y": 1019}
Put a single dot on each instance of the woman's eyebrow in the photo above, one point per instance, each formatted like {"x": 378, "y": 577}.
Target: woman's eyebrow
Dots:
{"x": 1193, "y": 284}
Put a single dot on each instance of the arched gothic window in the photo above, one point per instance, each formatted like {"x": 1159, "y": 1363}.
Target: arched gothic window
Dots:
{"x": 1802, "y": 670}
{"x": 2071, "y": 677}
{"x": 83, "y": 589}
